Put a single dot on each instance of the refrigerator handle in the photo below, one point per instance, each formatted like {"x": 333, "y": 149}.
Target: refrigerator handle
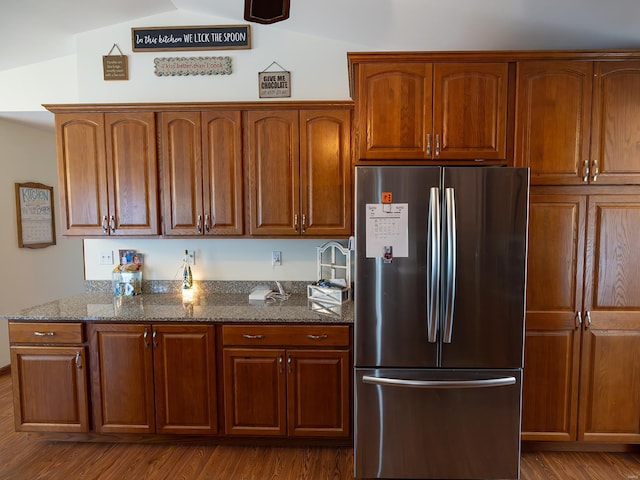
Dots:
{"x": 449, "y": 295}
{"x": 400, "y": 382}
{"x": 433, "y": 264}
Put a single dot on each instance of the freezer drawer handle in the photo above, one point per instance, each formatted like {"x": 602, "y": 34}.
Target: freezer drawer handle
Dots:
{"x": 399, "y": 382}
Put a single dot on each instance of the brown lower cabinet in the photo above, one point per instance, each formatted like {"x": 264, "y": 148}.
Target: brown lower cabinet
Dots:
{"x": 49, "y": 377}
{"x": 287, "y": 380}
{"x": 582, "y": 349}
{"x": 153, "y": 378}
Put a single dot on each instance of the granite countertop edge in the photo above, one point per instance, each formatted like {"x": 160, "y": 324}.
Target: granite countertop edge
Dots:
{"x": 171, "y": 307}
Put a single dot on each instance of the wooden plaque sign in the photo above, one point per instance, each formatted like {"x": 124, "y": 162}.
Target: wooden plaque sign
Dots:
{"x": 115, "y": 67}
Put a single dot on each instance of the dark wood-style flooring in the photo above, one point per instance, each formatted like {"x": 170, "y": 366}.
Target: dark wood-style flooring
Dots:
{"x": 24, "y": 458}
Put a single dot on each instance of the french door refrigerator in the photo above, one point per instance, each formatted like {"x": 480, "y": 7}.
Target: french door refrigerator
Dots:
{"x": 440, "y": 275}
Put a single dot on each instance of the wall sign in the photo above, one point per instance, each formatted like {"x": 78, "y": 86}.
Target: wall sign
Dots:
{"x": 115, "y": 67}
{"x": 34, "y": 208}
{"x": 177, "y": 66}
{"x": 274, "y": 84}
{"x": 223, "y": 37}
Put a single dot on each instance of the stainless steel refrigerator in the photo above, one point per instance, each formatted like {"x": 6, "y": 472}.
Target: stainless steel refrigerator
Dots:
{"x": 440, "y": 275}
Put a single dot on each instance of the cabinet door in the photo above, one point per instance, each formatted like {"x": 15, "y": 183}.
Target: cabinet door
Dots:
{"x": 49, "y": 389}
{"x": 132, "y": 173}
{"x": 274, "y": 172}
{"x": 557, "y": 226}
{"x": 325, "y": 172}
{"x": 553, "y": 114}
{"x": 122, "y": 378}
{"x": 470, "y": 111}
{"x": 318, "y": 393}
{"x": 185, "y": 379}
{"x": 181, "y": 144}
{"x": 610, "y": 383}
{"x": 222, "y": 173}
{"x": 82, "y": 173}
{"x": 394, "y": 110}
{"x": 615, "y": 135}
{"x": 255, "y": 391}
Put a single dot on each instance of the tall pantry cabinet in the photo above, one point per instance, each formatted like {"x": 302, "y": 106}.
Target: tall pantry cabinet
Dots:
{"x": 577, "y": 128}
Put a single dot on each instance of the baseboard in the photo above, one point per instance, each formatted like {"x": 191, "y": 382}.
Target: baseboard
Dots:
{"x": 540, "y": 446}
{"x": 6, "y": 370}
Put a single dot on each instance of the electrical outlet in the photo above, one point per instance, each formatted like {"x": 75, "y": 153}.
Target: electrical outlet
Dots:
{"x": 192, "y": 256}
{"x": 106, "y": 258}
{"x": 276, "y": 258}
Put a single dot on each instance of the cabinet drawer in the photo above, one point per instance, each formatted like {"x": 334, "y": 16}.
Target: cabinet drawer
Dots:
{"x": 286, "y": 335}
{"x": 42, "y": 332}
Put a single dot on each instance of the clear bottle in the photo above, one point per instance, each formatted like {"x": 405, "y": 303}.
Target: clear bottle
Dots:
{"x": 187, "y": 277}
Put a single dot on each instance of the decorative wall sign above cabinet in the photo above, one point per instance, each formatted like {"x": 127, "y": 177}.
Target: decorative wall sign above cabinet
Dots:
{"x": 213, "y": 37}
{"x": 178, "y": 66}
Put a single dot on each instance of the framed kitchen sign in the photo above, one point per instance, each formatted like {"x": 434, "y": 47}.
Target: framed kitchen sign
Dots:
{"x": 36, "y": 221}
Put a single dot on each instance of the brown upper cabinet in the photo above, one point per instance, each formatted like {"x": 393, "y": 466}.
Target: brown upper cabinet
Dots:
{"x": 431, "y": 111}
{"x": 299, "y": 172}
{"x": 577, "y": 121}
{"x": 107, "y": 173}
{"x": 201, "y": 172}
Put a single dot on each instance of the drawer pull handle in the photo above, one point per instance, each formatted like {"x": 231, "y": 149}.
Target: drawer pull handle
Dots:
{"x": 44, "y": 334}
{"x": 318, "y": 337}
{"x": 253, "y": 337}
{"x": 78, "y": 361}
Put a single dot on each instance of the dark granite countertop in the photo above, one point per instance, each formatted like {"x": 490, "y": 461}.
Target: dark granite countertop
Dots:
{"x": 170, "y": 307}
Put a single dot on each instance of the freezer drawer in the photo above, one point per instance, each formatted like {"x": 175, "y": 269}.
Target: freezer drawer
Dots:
{"x": 438, "y": 424}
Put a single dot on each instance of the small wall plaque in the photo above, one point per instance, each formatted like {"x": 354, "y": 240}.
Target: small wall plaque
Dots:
{"x": 274, "y": 84}
{"x": 115, "y": 67}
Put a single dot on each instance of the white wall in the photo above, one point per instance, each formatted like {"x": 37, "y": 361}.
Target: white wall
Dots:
{"x": 31, "y": 276}
{"x": 216, "y": 259}
{"x": 318, "y": 65}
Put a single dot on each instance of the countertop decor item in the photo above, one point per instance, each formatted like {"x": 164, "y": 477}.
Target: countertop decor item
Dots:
{"x": 334, "y": 275}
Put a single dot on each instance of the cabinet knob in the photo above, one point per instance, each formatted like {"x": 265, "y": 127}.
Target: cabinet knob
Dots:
{"x": 304, "y": 223}
{"x": 199, "y": 224}
{"x": 295, "y": 222}
{"x": 78, "y": 360}
{"x": 105, "y": 225}
{"x": 290, "y": 364}
{"x": 578, "y": 319}
{"x": 595, "y": 170}
{"x": 428, "y": 144}
{"x": 44, "y": 334}
{"x": 437, "y": 144}
{"x": 112, "y": 223}
{"x": 587, "y": 319}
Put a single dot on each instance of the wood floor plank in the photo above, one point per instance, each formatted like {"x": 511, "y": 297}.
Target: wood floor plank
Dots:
{"x": 22, "y": 458}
